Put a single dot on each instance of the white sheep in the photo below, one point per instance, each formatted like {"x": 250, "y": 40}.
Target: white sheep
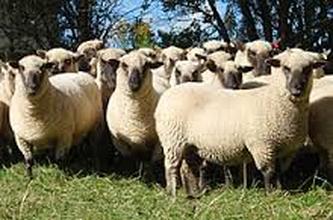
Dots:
{"x": 186, "y": 71}
{"x": 265, "y": 123}
{"x": 7, "y": 86}
{"x": 216, "y": 62}
{"x": 107, "y": 62}
{"x": 54, "y": 112}
{"x": 196, "y": 54}
{"x": 217, "y": 45}
{"x": 254, "y": 54}
{"x": 320, "y": 123}
{"x": 65, "y": 60}
{"x": 89, "y": 51}
{"x": 131, "y": 108}
{"x": 161, "y": 76}
{"x": 89, "y": 48}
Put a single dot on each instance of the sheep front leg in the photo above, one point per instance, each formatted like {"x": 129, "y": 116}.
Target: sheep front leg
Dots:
{"x": 26, "y": 150}
{"x": 264, "y": 159}
{"x": 172, "y": 162}
{"x": 330, "y": 166}
{"x": 62, "y": 147}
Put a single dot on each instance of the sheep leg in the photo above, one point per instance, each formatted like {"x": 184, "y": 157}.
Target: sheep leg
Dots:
{"x": 188, "y": 179}
{"x": 62, "y": 148}
{"x": 172, "y": 163}
{"x": 227, "y": 176}
{"x": 26, "y": 150}
{"x": 330, "y": 166}
{"x": 244, "y": 175}
{"x": 264, "y": 159}
{"x": 202, "y": 176}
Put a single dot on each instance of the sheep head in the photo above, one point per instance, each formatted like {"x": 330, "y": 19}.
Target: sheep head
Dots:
{"x": 134, "y": 72}
{"x": 64, "y": 60}
{"x": 297, "y": 67}
{"x": 33, "y": 74}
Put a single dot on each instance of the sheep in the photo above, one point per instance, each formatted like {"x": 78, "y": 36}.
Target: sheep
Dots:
{"x": 161, "y": 76}
{"x": 64, "y": 60}
{"x": 107, "y": 62}
{"x": 186, "y": 71}
{"x": 107, "y": 53}
{"x": 89, "y": 50}
{"x": 216, "y": 59}
{"x": 73, "y": 103}
{"x": 320, "y": 125}
{"x": 195, "y": 119}
{"x": 7, "y": 86}
{"x": 131, "y": 107}
{"x": 217, "y": 45}
{"x": 254, "y": 54}
{"x": 196, "y": 54}
{"x": 150, "y": 53}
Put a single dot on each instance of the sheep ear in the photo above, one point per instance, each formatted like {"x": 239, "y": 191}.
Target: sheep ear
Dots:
{"x": 245, "y": 69}
{"x": 78, "y": 57}
{"x": 3, "y": 65}
{"x": 154, "y": 65}
{"x": 319, "y": 64}
{"x": 273, "y": 62}
{"x": 41, "y": 53}
{"x": 48, "y": 65}
{"x": 240, "y": 45}
{"x": 210, "y": 64}
{"x": 14, "y": 64}
{"x": 201, "y": 57}
{"x": 114, "y": 63}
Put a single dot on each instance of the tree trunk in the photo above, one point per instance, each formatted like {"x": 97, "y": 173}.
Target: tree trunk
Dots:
{"x": 84, "y": 20}
{"x": 284, "y": 29}
{"x": 250, "y": 23}
{"x": 221, "y": 27}
{"x": 265, "y": 13}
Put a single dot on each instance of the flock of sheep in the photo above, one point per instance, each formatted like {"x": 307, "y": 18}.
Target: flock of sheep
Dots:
{"x": 224, "y": 103}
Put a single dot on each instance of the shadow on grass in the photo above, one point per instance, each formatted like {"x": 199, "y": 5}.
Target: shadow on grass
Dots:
{"x": 82, "y": 161}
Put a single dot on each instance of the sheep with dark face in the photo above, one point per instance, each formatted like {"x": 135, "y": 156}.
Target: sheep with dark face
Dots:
{"x": 54, "y": 112}
{"x": 253, "y": 54}
{"x": 89, "y": 49}
{"x": 161, "y": 76}
{"x": 265, "y": 124}
{"x": 130, "y": 112}
{"x": 65, "y": 61}
{"x": 186, "y": 71}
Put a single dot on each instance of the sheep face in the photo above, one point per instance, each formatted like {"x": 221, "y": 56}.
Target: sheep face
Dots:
{"x": 33, "y": 75}
{"x": 255, "y": 54}
{"x": 187, "y": 71}
{"x": 134, "y": 72}
{"x": 229, "y": 74}
{"x": 297, "y": 67}
{"x": 64, "y": 60}
{"x": 170, "y": 55}
{"x": 106, "y": 72}
{"x": 7, "y": 77}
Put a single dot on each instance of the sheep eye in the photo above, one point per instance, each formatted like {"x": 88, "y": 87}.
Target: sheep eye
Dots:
{"x": 178, "y": 73}
{"x": 252, "y": 53}
{"x": 286, "y": 69}
{"x": 124, "y": 66}
{"x": 68, "y": 61}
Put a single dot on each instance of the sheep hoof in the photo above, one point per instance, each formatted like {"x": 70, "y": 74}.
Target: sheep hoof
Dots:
{"x": 28, "y": 166}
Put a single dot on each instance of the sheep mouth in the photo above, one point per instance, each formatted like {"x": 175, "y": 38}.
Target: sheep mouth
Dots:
{"x": 32, "y": 91}
{"x": 135, "y": 82}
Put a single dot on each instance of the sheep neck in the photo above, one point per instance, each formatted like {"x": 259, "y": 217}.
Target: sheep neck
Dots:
{"x": 37, "y": 106}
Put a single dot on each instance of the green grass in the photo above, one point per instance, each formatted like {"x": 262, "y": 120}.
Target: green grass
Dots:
{"x": 55, "y": 195}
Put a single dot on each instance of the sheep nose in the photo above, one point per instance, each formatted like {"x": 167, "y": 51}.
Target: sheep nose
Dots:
{"x": 134, "y": 81}
{"x": 186, "y": 79}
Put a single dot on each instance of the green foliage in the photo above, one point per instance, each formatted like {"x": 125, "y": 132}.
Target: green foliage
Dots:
{"x": 55, "y": 195}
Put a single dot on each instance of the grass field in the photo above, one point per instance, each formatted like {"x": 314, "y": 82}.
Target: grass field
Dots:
{"x": 54, "y": 194}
